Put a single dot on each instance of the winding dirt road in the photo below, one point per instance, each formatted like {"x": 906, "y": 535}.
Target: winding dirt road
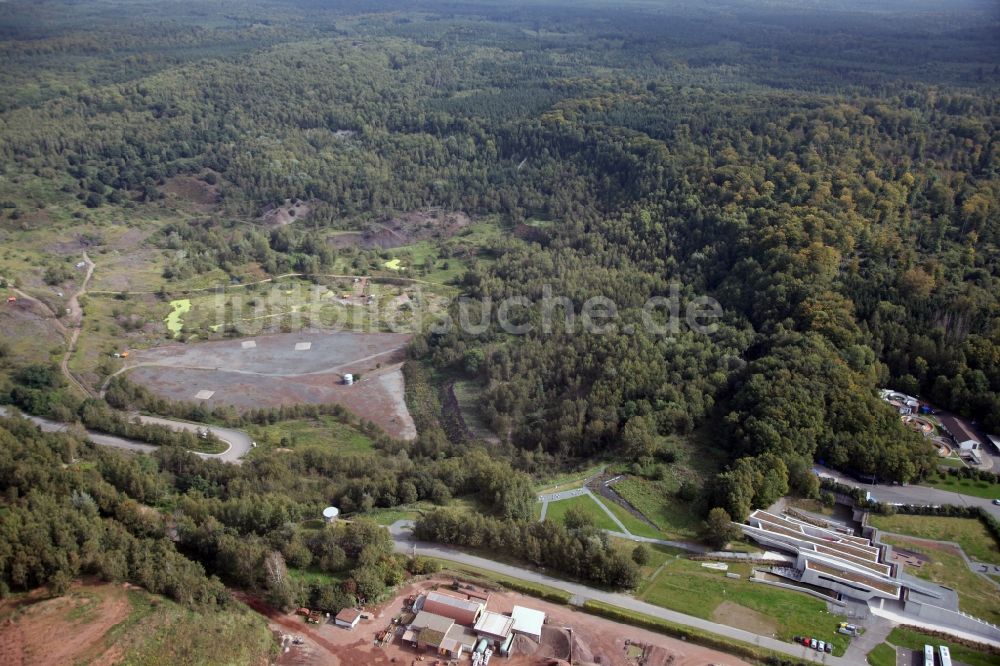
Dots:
{"x": 75, "y": 316}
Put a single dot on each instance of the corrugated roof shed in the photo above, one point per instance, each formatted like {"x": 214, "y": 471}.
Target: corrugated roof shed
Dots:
{"x": 426, "y": 620}
{"x": 494, "y": 624}
{"x": 463, "y": 604}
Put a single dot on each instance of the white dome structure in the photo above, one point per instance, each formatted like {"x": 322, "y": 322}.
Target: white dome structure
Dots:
{"x": 330, "y": 513}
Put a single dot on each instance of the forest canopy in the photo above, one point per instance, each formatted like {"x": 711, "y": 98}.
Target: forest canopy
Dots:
{"x": 841, "y": 204}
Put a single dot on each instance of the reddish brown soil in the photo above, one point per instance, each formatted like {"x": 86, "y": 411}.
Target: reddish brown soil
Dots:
{"x": 594, "y": 638}
{"x": 66, "y": 630}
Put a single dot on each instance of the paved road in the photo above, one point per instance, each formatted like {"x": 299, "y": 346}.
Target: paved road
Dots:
{"x": 917, "y": 495}
{"x": 402, "y": 535}
{"x": 239, "y": 442}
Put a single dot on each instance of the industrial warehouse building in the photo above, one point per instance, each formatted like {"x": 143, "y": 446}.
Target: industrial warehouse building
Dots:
{"x": 452, "y": 626}
{"x": 464, "y": 611}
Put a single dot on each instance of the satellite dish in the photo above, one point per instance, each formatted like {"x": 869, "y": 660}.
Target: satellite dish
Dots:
{"x": 331, "y": 512}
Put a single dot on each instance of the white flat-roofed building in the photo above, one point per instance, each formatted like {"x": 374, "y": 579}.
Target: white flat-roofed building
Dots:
{"x": 528, "y": 621}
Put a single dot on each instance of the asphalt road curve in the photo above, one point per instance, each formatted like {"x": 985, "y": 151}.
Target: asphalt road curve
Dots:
{"x": 238, "y": 442}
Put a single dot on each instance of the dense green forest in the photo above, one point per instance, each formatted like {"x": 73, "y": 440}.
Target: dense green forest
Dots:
{"x": 829, "y": 175}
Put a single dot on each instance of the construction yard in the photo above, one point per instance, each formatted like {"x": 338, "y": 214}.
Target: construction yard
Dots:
{"x": 594, "y": 640}
{"x": 285, "y": 369}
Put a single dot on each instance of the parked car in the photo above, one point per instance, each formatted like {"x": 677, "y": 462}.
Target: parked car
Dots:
{"x": 829, "y": 648}
{"x": 813, "y": 643}
{"x": 805, "y": 641}
{"x": 821, "y": 646}
{"x": 997, "y": 501}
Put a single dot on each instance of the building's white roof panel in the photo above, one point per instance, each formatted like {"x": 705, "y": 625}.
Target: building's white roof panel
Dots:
{"x": 528, "y": 620}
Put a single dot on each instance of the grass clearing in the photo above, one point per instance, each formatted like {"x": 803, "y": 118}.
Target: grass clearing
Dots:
{"x": 557, "y": 512}
{"x": 969, "y": 533}
{"x": 116, "y": 623}
{"x": 324, "y": 432}
{"x": 310, "y": 576}
{"x": 160, "y": 631}
{"x": 674, "y": 518}
{"x": 686, "y": 586}
{"x": 946, "y": 567}
{"x": 467, "y": 394}
{"x": 402, "y": 512}
{"x": 566, "y": 481}
{"x": 633, "y": 524}
{"x": 914, "y": 640}
{"x": 178, "y": 308}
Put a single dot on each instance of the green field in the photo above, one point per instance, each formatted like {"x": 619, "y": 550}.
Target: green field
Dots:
{"x": 975, "y": 596}
{"x": 688, "y": 587}
{"x": 969, "y": 533}
{"x": 324, "y": 432}
{"x": 309, "y": 576}
{"x": 914, "y": 640}
{"x": 971, "y": 487}
{"x": 633, "y": 524}
{"x": 557, "y": 512}
{"x": 566, "y": 481}
{"x": 653, "y": 499}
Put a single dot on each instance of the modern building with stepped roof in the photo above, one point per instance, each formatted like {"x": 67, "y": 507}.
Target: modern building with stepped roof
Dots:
{"x": 848, "y": 565}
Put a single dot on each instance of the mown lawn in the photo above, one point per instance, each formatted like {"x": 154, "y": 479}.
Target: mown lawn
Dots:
{"x": 970, "y": 533}
{"x": 557, "y": 512}
{"x": 634, "y": 525}
{"x": 686, "y": 586}
{"x": 975, "y": 595}
{"x": 914, "y": 640}
{"x": 972, "y": 487}
{"x": 883, "y": 655}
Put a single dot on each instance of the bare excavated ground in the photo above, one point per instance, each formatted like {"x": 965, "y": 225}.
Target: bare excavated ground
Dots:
{"x": 595, "y": 640}
{"x": 288, "y": 212}
{"x": 285, "y": 369}
{"x": 405, "y": 229}
{"x": 70, "y": 629}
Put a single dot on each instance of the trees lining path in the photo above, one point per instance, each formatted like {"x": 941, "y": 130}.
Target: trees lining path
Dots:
{"x": 238, "y": 442}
